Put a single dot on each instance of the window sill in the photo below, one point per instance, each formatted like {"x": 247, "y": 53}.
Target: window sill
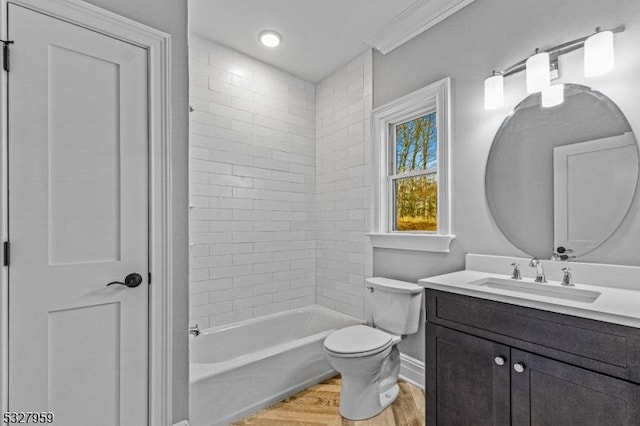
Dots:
{"x": 417, "y": 242}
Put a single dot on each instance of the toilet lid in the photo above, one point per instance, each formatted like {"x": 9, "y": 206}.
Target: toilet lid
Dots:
{"x": 357, "y": 339}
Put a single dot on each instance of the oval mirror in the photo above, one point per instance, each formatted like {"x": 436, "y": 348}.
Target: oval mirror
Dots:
{"x": 561, "y": 179}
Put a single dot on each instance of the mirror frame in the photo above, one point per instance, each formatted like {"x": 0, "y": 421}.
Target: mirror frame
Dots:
{"x": 529, "y": 101}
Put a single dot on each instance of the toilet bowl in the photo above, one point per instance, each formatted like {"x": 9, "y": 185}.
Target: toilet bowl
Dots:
{"x": 369, "y": 362}
{"x": 367, "y": 358}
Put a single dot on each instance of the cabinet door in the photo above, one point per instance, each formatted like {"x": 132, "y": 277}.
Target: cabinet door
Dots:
{"x": 466, "y": 385}
{"x": 549, "y": 392}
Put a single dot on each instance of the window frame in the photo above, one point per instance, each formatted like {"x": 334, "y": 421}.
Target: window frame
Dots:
{"x": 434, "y": 97}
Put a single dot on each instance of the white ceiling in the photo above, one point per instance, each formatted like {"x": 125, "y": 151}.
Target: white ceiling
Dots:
{"x": 318, "y": 36}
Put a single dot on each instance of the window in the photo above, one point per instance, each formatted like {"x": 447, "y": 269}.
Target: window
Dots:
{"x": 411, "y": 171}
{"x": 414, "y": 181}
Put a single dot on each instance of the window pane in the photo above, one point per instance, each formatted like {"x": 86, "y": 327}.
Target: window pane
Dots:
{"x": 416, "y": 203}
{"x": 416, "y": 144}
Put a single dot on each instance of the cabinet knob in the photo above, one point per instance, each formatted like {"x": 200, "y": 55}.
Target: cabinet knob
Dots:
{"x": 519, "y": 367}
{"x": 500, "y": 360}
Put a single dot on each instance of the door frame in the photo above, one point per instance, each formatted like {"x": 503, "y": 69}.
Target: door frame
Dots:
{"x": 158, "y": 46}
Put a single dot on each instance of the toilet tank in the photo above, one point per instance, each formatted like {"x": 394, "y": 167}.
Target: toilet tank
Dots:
{"x": 396, "y": 305}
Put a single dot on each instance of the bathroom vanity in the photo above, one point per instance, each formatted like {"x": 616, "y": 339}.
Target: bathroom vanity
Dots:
{"x": 504, "y": 348}
{"x": 501, "y": 355}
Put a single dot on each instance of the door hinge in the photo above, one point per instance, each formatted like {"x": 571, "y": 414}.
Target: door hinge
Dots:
{"x": 149, "y": 278}
{"x": 7, "y": 251}
{"x": 6, "y": 54}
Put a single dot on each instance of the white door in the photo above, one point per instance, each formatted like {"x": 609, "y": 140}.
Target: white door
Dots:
{"x": 78, "y": 219}
{"x": 594, "y": 183}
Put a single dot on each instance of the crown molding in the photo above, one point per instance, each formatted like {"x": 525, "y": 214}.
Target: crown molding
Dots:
{"x": 413, "y": 21}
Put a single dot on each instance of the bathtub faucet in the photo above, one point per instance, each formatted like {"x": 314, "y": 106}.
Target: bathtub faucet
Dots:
{"x": 194, "y": 330}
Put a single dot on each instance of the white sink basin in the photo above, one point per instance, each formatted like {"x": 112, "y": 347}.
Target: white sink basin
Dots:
{"x": 540, "y": 289}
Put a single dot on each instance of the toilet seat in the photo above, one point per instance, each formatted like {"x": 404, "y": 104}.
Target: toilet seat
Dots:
{"x": 357, "y": 341}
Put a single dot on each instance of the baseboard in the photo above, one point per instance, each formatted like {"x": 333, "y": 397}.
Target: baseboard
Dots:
{"x": 412, "y": 370}
{"x": 182, "y": 423}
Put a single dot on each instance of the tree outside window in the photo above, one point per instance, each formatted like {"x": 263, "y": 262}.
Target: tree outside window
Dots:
{"x": 415, "y": 182}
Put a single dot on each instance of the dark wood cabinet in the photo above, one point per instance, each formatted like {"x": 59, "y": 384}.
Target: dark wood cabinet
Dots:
{"x": 548, "y": 392}
{"x": 559, "y": 370}
{"x": 469, "y": 387}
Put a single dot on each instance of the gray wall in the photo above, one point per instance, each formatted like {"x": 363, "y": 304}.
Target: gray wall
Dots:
{"x": 170, "y": 16}
{"x": 487, "y": 35}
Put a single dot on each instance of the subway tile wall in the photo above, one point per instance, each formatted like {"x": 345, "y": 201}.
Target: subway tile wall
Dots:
{"x": 252, "y": 187}
{"x": 343, "y": 186}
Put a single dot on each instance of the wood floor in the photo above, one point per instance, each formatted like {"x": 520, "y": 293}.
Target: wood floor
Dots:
{"x": 318, "y": 406}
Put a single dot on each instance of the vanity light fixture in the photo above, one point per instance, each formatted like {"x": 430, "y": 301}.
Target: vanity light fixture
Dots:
{"x": 552, "y": 95}
{"x": 269, "y": 38}
{"x": 538, "y": 72}
{"x": 598, "y": 53}
{"x": 543, "y": 66}
{"x": 494, "y": 91}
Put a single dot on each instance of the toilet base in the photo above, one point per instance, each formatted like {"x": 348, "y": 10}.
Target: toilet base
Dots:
{"x": 364, "y": 410}
{"x": 369, "y": 383}
{"x": 387, "y": 397}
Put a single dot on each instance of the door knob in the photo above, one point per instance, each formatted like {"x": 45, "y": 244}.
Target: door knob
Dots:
{"x": 131, "y": 280}
{"x": 500, "y": 360}
{"x": 519, "y": 367}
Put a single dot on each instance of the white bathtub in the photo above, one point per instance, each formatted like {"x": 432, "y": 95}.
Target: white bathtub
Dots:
{"x": 239, "y": 368}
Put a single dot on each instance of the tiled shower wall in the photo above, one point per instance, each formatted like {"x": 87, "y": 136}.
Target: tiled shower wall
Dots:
{"x": 343, "y": 188}
{"x": 252, "y": 187}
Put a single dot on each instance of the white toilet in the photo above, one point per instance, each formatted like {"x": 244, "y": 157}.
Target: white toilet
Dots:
{"x": 368, "y": 358}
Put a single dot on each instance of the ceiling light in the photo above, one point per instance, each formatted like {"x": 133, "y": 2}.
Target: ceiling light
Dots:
{"x": 598, "y": 53}
{"x": 269, "y": 38}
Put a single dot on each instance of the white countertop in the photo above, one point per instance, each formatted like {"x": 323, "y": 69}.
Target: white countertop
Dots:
{"x": 614, "y": 305}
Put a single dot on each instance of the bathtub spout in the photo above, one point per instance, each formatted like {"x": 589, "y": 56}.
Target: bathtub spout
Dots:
{"x": 194, "y": 330}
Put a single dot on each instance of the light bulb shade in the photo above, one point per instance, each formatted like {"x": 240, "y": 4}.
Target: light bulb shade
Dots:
{"x": 538, "y": 74}
{"x": 494, "y": 92}
{"x": 598, "y": 54}
{"x": 553, "y": 95}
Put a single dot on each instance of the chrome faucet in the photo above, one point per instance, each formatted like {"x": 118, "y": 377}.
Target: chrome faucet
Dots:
{"x": 567, "y": 277}
{"x": 540, "y": 277}
{"x": 194, "y": 330}
{"x": 516, "y": 275}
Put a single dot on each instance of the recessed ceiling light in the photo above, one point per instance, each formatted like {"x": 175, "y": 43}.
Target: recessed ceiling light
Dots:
{"x": 269, "y": 38}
